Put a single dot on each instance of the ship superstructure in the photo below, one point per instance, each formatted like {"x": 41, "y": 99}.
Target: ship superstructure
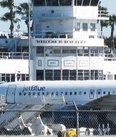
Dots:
{"x": 65, "y": 44}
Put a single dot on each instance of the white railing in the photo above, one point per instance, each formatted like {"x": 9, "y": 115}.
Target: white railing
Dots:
{"x": 14, "y": 55}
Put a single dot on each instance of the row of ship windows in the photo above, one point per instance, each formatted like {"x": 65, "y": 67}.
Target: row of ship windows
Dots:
{"x": 80, "y": 51}
{"x": 85, "y": 26}
{"x": 65, "y": 93}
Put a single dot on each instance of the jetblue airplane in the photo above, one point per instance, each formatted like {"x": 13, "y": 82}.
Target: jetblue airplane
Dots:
{"x": 89, "y": 93}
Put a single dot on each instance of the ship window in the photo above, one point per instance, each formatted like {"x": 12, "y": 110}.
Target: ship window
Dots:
{"x": 92, "y": 26}
{"x": 94, "y": 2}
{"x": 65, "y": 74}
{"x": 85, "y": 26}
{"x": 49, "y": 74}
{"x": 40, "y": 51}
{"x": 72, "y": 75}
{"x": 65, "y": 2}
{"x": 78, "y": 2}
{"x": 57, "y": 74}
{"x": 86, "y": 2}
{"x": 86, "y": 51}
{"x": 57, "y": 51}
{"x": 77, "y": 27}
{"x": 73, "y": 51}
{"x": 65, "y": 51}
{"x": 52, "y": 2}
{"x": 39, "y": 2}
{"x": 80, "y": 51}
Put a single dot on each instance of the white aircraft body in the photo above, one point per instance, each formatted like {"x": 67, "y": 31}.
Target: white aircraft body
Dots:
{"x": 89, "y": 93}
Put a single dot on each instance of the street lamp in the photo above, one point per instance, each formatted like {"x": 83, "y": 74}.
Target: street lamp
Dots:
{"x": 29, "y": 42}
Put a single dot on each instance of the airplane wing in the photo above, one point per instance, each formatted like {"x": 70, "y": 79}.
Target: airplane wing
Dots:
{"x": 105, "y": 102}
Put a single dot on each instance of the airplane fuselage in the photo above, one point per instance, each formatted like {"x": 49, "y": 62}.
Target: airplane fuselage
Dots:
{"x": 41, "y": 92}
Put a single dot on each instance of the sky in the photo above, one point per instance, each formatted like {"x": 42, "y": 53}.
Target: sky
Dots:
{"x": 110, "y": 4}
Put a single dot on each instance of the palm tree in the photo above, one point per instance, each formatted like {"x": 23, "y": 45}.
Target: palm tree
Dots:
{"x": 102, "y": 11}
{"x": 112, "y": 23}
{"x": 23, "y": 9}
{"x": 9, "y": 16}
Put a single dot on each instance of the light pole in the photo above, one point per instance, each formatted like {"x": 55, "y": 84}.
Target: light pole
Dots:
{"x": 29, "y": 42}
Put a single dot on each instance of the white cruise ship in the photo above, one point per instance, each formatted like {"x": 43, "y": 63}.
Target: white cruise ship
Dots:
{"x": 66, "y": 45}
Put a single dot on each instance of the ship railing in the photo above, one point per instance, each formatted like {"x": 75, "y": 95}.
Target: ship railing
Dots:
{"x": 14, "y": 55}
{"x": 52, "y": 35}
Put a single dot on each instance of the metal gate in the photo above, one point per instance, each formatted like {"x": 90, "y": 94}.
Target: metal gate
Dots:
{"x": 10, "y": 96}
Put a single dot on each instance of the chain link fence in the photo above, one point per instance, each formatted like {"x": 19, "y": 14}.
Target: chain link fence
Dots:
{"x": 61, "y": 123}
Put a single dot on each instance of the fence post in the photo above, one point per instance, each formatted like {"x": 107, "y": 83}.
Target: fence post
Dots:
{"x": 77, "y": 127}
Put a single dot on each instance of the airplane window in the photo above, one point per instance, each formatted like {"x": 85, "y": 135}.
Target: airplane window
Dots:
{"x": 98, "y": 92}
{"x": 80, "y": 92}
{"x": 56, "y": 93}
{"x": 29, "y": 93}
{"x": 24, "y": 93}
{"x": 52, "y": 93}
{"x": 19, "y": 93}
{"x": 38, "y": 94}
{"x": 75, "y": 93}
{"x": 42, "y": 93}
{"x": 108, "y": 92}
{"x": 104, "y": 92}
{"x": 47, "y": 93}
{"x": 33, "y": 93}
{"x": 70, "y": 93}
{"x": 84, "y": 93}
{"x": 66, "y": 93}
{"x": 61, "y": 93}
